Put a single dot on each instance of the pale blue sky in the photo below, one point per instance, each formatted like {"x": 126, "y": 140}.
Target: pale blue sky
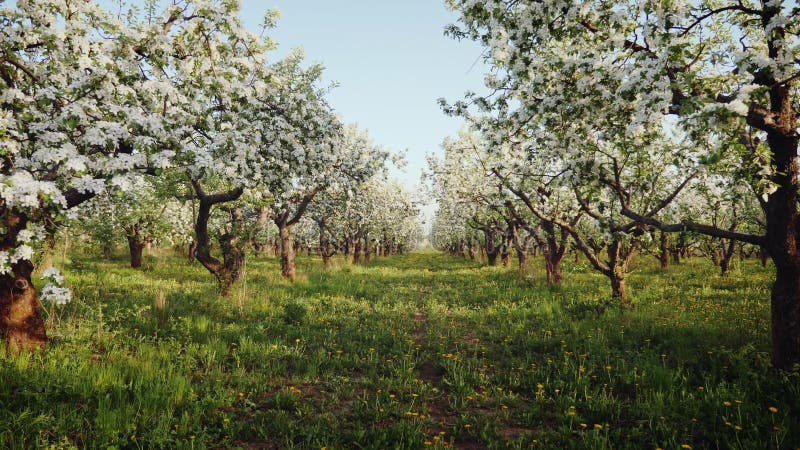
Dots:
{"x": 391, "y": 60}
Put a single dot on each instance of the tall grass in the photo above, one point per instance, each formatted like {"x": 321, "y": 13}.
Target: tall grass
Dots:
{"x": 408, "y": 352}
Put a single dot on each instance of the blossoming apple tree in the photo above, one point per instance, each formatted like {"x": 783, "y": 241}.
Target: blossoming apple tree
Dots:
{"x": 724, "y": 69}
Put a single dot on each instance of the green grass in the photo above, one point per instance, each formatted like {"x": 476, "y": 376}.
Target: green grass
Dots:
{"x": 411, "y": 351}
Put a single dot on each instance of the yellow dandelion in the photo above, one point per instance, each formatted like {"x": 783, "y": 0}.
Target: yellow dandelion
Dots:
{"x": 773, "y": 409}
{"x": 726, "y": 403}
{"x": 597, "y": 426}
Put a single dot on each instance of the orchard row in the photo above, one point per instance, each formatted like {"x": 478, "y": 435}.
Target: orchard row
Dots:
{"x": 173, "y": 126}
{"x": 618, "y": 127}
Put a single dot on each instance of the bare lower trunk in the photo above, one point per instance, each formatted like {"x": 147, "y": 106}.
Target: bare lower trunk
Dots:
{"x": 783, "y": 239}
{"x": 491, "y": 257}
{"x": 728, "y": 247}
{"x": 232, "y": 261}
{"x": 492, "y": 251}
{"x": 505, "y": 256}
{"x": 288, "y": 269}
{"x": 553, "y": 267}
{"x": 357, "y": 251}
{"x": 192, "y": 250}
{"x": 663, "y": 254}
{"x": 618, "y": 257}
{"x": 522, "y": 259}
{"x": 220, "y": 269}
{"x": 21, "y": 325}
{"x": 135, "y": 245}
{"x": 618, "y": 289}
{"x": 135, "y": 248}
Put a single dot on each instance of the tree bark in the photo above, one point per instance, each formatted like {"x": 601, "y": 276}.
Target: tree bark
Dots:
{"x": 135, "y": 246}
{"x": 288, "y": 268}
{"x": 220, "y": 269}
{"x": 357, "y": 250}
{"x": 782, "y": 237}
{"x": 490, "y": 246}
{"x": 192, "y": 250}
{"x": 505, "y": 250}
{"x": 663, "y": 250}
{"x": 21, "y": 324}
{"x": 618, "y": 258}
{"x": 727, "y": 250}
{"x": 553, "y": 266}
{"x": 367, "y": 249}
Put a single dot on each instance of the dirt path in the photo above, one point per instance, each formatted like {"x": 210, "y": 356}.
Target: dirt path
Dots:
{"x": 438, "y": 404}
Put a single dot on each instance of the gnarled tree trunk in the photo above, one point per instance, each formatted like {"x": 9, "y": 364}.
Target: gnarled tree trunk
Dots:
{"x": 220, "y": 269}
{"x": 21, "y": 324}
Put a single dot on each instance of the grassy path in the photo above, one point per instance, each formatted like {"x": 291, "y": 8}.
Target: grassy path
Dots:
{"x": 413, "y": 351}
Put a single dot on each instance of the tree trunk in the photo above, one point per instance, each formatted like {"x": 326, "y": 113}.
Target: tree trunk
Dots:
{"x": 470, "y": 250}
{"x": 782, "y": 237}
{"x": 288, "y": 269}
{"x": 135, "y": 245}
{"x": 618, "y": 289}
{"x": 367, "y": 249}
{"x": 135, "y": 248}
{"x": 220, "y": 270}
{"x": 232, "y": 249}
{"x": 192, "y": 250}
{"x": 554, "y": 248}
{"x": 618, "y": 257}
{"x": 357, "y": 250}
{"x": 505, "y": 250}
{"x": 728, "y": 247}
{"x": 21, "y": 324}
{"x": 108, "y": 249}
{"x": 552, "y": 262}
{"x": 663, "y": 255}
{"x": 489, "y": 245}
{"x": 522, "y": 259}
